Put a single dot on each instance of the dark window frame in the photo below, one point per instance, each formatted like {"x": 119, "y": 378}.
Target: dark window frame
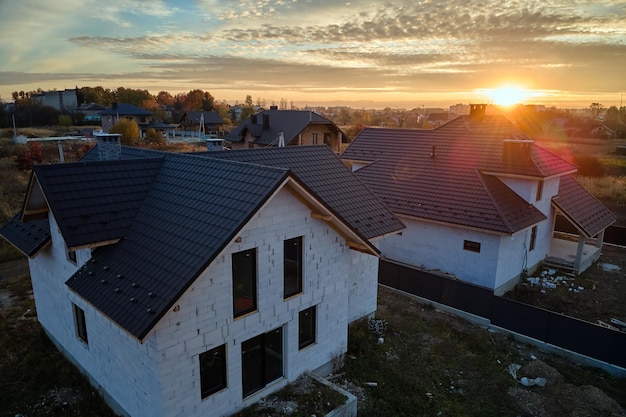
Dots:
{"x": 533, "y": 238}
{"x": 244, "y": 270}
{"x": 539, "y": 194}
{"x": 80, "y": 324}
{"x": 471, "y": 246}
{"x": 213, "y": 375}
{"x": 71, "y": 256}
{"x": 262, "y": 360}
{"x": 293, "y": 266}
{"x": 307, "y": 327}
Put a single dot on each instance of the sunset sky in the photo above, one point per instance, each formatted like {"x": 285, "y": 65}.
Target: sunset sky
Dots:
{"x": 361, "y": 53}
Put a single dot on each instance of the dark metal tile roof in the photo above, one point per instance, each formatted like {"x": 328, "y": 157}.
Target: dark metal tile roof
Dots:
{"x": 210, "y": 117}
{"x": 582, "y": 208}
{"x": 439, "y": 174}
{"x": 327, "y": 177}
{"x": 126, "y": 110}
{"x": 97, "y": 201}
{"x": 29, "y": 237}
{"x": 195, "y": 206}
{"x": 290, "y": 122}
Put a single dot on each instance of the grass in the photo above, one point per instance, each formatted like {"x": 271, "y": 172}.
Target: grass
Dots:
{"x": 608, "y": 188}
{"x": 35, "y": 379}
{"x": 428, "y": 368}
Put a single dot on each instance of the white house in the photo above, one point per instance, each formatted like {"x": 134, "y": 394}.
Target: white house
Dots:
{"x": 194, "y": 285}
{"x": 479, "y": 199}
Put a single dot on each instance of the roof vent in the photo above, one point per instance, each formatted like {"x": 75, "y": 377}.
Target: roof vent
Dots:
{"x": 433, "y": 151}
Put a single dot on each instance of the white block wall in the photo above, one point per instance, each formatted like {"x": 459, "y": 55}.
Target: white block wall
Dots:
{"x": 205, "y": 318}
{"x": 117, "y": 362}
{"x": 502, "y": 257}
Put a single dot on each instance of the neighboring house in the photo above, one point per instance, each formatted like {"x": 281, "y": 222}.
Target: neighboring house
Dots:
{"x": 65, "y": 100}
{"x": 207, "y": 122}
{"x": 110, "y": 117}
{"x": 479, "y": 199}
{"x": 196, "y": 284}
{"x": 91, "y": 111}
{"x": 275, "y": 127}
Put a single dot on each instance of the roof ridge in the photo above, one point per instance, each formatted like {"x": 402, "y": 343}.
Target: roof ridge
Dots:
{"x": 482, "y": 177}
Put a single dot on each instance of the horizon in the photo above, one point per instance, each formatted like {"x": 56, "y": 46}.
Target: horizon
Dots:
{"x": 359, "y": 54}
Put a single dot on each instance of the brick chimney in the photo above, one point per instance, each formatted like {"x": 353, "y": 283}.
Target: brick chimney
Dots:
{"x": 477, "y": 111}
{"x": 517, "y": 151}
{"x": 109, "y": 146}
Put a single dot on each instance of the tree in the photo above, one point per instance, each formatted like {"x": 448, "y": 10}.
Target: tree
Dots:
{"x": 596, "y": 109}
{"x": 207, "y": 102}
{"x": 165, "y": 99}
{"x": 194, "y": 98}
{"x": 128, "y": 129}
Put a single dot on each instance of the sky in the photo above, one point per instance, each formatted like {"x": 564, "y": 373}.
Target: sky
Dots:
{"x": 359, "y": 53}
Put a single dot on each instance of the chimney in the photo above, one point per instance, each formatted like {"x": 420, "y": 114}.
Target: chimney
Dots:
{"x": 109, "y": 146}
{"x": 517, "y": 151}
{"x": 253, "y": 119}
{"x": 477, "y": 111}
{"x": 266, "y": 121}
{"x": 273, "y": 107}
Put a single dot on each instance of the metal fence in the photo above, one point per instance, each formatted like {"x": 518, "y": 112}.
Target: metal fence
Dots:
{"x": 556, "y": 329}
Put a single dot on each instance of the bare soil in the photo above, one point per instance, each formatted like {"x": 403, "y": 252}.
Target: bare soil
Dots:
{"x": 597, "y": 295}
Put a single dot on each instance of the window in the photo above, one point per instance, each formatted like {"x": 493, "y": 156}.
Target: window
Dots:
{"x": 328, "y": 140}
{"x": 533, "y": 238}
{"x": 213, "y": 371}
{"x": 293, "y": 267}
{"x": 261, "y": 360}
{"x": 539, "y": 190}
{"x": 471, "y": 246}
{"x": 306, "y": 327}
{"x": 314, "y": 138}
{"x": 71, "y": 256}
{"x": 244, "y": 282}
{"x": 79, "y": 322}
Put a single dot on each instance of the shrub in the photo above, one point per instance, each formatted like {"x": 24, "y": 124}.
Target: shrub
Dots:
{"x": 28, "y": 155}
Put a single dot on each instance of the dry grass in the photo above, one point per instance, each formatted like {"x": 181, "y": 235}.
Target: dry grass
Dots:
{"x": 606, "y": 188}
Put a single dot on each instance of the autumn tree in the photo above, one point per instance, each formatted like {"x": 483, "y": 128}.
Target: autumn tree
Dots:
{"x": 194, "y": 98}
{"x": 165, "y": 99}
{"x": 128, "y": 129}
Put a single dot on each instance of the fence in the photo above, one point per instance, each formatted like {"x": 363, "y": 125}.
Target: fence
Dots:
{"x": 556, "y": 329}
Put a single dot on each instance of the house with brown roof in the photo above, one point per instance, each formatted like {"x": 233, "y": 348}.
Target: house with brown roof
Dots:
{"x": 274, "y": 128}
{"x": 479, "y": 199}
{"x": 195, "y": 284}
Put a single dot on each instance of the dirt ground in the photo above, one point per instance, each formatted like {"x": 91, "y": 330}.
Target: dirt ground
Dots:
{"x": 597, "y": 295}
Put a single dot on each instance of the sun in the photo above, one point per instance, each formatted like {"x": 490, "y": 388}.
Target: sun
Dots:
{"x": 507, "y": 95}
